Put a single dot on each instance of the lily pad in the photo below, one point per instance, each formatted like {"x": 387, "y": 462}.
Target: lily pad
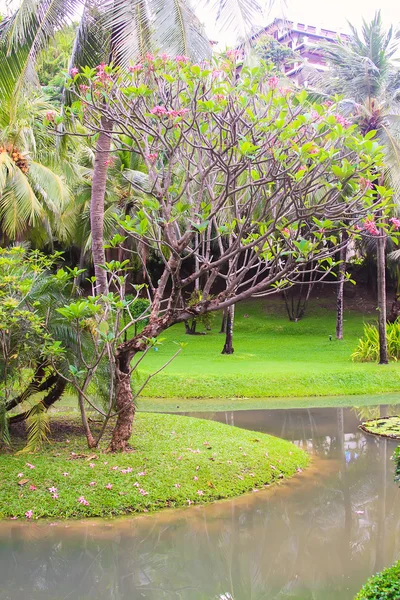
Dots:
{"x": 387, "y": 427}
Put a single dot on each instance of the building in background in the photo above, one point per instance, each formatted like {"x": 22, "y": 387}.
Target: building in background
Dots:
{"x": 305, "y": 41}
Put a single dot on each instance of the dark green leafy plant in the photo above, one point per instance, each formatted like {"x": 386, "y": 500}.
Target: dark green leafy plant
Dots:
{"x": 383, "y": 586}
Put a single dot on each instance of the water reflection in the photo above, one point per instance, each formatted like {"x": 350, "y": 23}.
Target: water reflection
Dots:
{"x": 318, "y": 537}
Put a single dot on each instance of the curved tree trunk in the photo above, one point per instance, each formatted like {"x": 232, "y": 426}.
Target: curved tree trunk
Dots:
{"x": 52, "y": 397}
{"x": 381, "y": 282}
{"x": 124, "y": 404}
{"x": 97, "y": 203}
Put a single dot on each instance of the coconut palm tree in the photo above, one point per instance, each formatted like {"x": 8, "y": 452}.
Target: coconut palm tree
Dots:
{"x": 34, "y": 196}
{"x": 363, "y": 71}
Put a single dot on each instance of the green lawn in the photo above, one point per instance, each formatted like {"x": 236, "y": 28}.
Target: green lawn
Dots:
{"x": 273, "y": 358}
{"x": 194, "y": 462}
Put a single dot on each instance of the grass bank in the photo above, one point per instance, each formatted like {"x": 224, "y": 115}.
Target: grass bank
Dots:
{"x": 274, "y": 358}
{"x": 192, "y": 462}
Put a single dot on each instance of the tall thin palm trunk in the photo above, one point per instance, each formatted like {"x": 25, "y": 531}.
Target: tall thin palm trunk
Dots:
{"x": 381, "y": 281}
{"x": 339, "y": 296}
{"x": 103, "y": 147}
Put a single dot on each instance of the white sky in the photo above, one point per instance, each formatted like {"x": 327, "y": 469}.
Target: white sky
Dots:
{"x": 332, "y": 14}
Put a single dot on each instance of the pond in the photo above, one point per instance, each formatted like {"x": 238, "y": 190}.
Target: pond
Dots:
{"x": 316, "y": 537}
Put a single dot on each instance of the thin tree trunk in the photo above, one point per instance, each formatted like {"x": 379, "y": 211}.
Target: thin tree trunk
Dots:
{"x": 90, "y": 439}
{"x": 230, "y": 316}
{"x": 381, "y": 283}
{"x": 339, "y": 297}
{"x": 124, "y": 404}
{"x": 97, "y": 203}
{"x": 223, "y": 322}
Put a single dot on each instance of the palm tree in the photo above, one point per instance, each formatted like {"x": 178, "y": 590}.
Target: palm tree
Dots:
{"x": 362, "y": 70}
{"x": 34, "y": 196}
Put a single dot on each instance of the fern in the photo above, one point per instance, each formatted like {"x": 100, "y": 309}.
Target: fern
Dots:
{"x": 38, "y": 428}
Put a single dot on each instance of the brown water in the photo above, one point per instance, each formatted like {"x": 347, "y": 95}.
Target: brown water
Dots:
{"x": 317, "y": 537}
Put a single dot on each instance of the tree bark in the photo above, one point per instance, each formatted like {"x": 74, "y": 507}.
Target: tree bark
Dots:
{"x": 97, "y": 203}
{"x": 223, "y": 322}
{"x": 381, "y": 283}
{"x": 90, "y": 439}
{"x": 339, "y": 297}
{"x": 230, "y": 316}
{"x": 124, "y": 405}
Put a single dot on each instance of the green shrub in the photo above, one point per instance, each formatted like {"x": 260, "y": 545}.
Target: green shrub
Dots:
{"x": 383, "y": 586}
{"x": 368, "y": 346}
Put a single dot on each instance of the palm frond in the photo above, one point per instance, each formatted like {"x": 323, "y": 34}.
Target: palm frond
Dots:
{"x": 38, "y": 428}
{"x": 19, "y": 205}
{"x": 177, "y": 30}
{"x": 53, "y": 188}
{"x": 7, "y": 170}
{"x": 91, "y": 45}
{"x": 137, "y": 179}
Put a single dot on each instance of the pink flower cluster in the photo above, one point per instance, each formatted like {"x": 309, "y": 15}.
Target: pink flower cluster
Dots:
{"x": 370, "y": 227}
{"x": 273, "y": 82}
{"x": 365, "y": 184}
{"x": 395, "y": 222}
{"x": 181, "y": 59}
{"x": 82, "y": 500}
{"x": 161, "y": 111}
{"x": 74, "y": 71}
{"x": 136, "y": 68}
{"x": 101, "y": 72}
{"x": 233, "y": 54}
{"x": 342, "y": 121}
{"x": 178, "y": 113}
{"x": 152, "y": 157}
{"x": 50, "y": 116}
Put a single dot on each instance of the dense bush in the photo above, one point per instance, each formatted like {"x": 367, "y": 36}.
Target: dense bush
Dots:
{"x": 383, "y": 586}
{"x": 368, "y": 346}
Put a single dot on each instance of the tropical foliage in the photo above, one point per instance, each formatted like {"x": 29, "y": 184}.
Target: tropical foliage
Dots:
{"x": 385, "y": 585}
{"x": 277, "y": 170}
{"x": 368, "y": 346}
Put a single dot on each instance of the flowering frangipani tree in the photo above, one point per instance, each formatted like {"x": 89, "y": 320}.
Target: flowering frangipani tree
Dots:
{"x": 248, "y": 185}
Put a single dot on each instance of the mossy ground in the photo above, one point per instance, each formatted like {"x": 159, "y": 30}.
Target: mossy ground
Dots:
{"x": 383, "y": 586}
{"x": 175, "y": 461}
